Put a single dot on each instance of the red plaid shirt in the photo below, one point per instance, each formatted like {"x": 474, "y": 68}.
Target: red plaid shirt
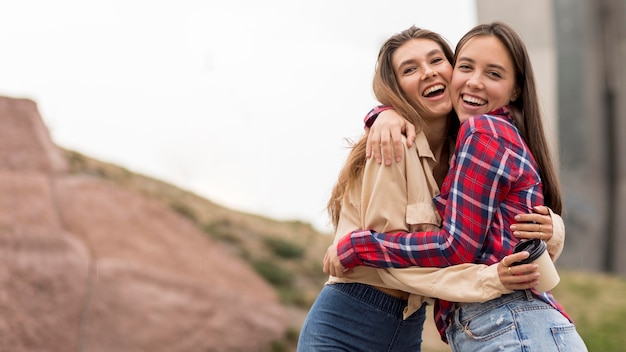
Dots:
{"x": 492, "y": 178}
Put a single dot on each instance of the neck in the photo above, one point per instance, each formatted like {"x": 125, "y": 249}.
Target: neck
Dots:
{"x": 436, "y": 132}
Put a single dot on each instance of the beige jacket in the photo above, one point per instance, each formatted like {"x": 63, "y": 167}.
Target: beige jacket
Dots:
{"x": 399, "y": 198}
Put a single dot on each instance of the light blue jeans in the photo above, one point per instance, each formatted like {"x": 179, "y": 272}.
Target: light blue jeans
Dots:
{"x": 515, "y": 322}
{"x": 353, "y": 317}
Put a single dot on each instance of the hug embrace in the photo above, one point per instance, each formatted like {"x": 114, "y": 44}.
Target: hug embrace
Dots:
{"x": 472, "y": 177}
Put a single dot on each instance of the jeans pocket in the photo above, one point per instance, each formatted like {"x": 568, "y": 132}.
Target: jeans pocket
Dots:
{"x": 488, "y": 326}
{"x": 567, "y": 338}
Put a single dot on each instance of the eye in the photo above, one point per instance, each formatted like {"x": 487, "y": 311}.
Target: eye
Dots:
{"x": 437, "y": 60}
{"x": 464, "y": 67}
{"x": 494, "y": 74}
{"x": 409, "y": 70}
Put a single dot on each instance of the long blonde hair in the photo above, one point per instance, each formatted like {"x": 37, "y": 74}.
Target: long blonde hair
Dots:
{"x": 388, "y": 92}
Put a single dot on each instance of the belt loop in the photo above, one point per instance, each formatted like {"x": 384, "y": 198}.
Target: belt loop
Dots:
{"x": 529, "y": 295}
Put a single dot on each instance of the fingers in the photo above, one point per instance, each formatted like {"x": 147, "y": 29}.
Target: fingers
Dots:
{"x": 410, "y": 134}
{"x": 530, "y": 231}
{"x": 525, "y": 271}
{"x": 378, "y": 145}
{"x": 337, "y": 270}
{"x": 384, "y": 140}
{"x": 332, "y": 265}
{"x": 519, "y": 277}
{"x": 533, "y": 218}
{"x": 372, "y": 146}
{"x": 533, "y": 225}
{"x": 385, "y": 146}
{"x": 398, "y": 147}
{"x": 514, "y": 258}
{"x": 523, "y": 285}
{"x": 522, "y": 277}
{"x": 541, "y": 209}
{"x": 329, "y": 268}
{"x": 407, "y": 128}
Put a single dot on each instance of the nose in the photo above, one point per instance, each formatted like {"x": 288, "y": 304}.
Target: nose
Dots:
{"x": 473, "y": 82}
{"x": 428, "y": 73}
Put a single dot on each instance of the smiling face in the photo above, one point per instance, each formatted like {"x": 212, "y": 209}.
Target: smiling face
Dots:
{"x": 423, "y": 73}
{"x": 483, "y": 79}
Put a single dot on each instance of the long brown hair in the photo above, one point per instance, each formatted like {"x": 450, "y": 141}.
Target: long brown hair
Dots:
{"x": 525, "y": 108}
{"x": 388, "y": 92}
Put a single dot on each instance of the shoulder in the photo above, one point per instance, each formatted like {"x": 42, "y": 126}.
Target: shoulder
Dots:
{"x": 492, "y": 125}
{"x": 410, "y": 160}
{"x": 485, "y": 121}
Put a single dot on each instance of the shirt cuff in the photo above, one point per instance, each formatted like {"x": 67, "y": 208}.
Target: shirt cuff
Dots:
{"x": 346, "y": 252}
{"x": 491, "y": 280}
{"x": 373, "y": 114}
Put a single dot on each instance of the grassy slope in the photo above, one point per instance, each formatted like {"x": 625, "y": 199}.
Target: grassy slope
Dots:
{"x": 288, "y": 254}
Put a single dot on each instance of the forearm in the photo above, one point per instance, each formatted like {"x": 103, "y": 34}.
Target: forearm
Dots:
{"x": 396, "y": 250}
{"x": 457, "y": 283}
{"x": 556, "y": 243}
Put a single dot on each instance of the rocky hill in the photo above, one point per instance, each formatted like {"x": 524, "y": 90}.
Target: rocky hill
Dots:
{"x": 96, "y": 258}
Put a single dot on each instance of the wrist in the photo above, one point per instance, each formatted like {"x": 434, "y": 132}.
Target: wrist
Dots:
{"x": 371, "y": 116}
{"x": 346, "y": 253}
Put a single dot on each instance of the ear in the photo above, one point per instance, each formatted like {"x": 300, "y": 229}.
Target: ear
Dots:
{"x": 515, "y": 94}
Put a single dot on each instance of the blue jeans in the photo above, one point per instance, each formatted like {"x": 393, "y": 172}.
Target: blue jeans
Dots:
{"x": 515, "y": 322}
{"x": 354, "y": 317}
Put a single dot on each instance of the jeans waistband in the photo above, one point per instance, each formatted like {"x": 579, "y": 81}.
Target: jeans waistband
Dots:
{"x": 372, "y": 296}
{"x": 470, "y": 310}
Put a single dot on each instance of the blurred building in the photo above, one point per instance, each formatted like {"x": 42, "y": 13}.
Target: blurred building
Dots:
{"x": 578, "y": 49}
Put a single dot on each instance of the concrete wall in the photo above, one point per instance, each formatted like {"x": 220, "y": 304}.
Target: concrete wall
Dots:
{"x": 578, "y": 49}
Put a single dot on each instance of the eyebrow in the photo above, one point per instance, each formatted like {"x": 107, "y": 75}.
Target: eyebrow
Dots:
{"x": 434, "y": 51}
{"x": 428, "y": 54}
{"x": 472, "y": 61}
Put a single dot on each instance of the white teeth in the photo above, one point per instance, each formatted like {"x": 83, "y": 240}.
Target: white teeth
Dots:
{"x": 433, "y": 89}
{"x": 473, "y": 100}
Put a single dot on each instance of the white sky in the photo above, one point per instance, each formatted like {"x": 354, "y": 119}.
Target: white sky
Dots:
{"x": 246, "y": 103}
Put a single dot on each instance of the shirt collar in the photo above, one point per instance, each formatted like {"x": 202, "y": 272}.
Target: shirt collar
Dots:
{"x": 422, "y": 146}
{"x": 503, "y": 111}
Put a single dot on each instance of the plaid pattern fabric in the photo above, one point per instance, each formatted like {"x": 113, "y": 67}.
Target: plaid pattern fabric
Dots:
{"x": 373, "y": 114}
{"x": 492, "y": 178}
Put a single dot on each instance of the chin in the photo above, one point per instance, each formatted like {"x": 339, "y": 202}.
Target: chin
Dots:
{"x": 464, "y": 118}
